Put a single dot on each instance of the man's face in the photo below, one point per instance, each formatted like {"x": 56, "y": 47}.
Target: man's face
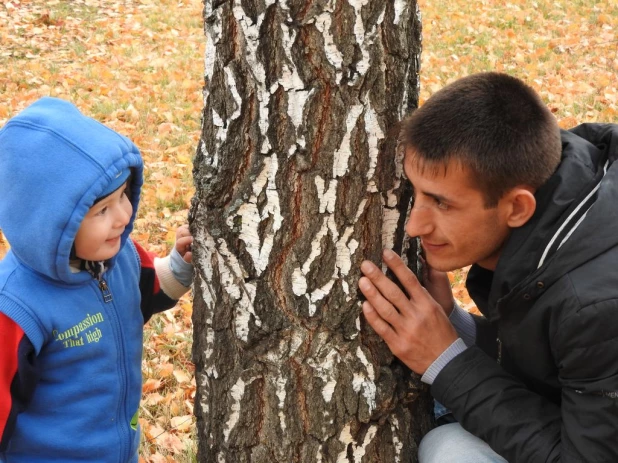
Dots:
{"x": 99, "y": 234}
{"x": 450, "y": 218}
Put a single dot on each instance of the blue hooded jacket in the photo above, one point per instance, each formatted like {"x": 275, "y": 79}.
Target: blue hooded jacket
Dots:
{"x": 84, "y": 349}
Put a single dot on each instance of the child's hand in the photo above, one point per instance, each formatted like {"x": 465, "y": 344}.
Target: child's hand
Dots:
{"x": 184, "y": 240}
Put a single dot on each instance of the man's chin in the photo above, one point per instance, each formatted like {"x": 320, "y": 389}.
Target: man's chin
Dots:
{"x": 441, "y": 266}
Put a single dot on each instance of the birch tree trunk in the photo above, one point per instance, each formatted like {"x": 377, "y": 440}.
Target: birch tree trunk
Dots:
{"x": 297, "y": 181}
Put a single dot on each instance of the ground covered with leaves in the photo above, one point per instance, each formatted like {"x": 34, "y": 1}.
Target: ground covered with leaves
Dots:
{"x": 137, "y": 65}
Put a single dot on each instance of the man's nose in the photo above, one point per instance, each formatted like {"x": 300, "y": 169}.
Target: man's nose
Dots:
{"x": 420, "y": 222}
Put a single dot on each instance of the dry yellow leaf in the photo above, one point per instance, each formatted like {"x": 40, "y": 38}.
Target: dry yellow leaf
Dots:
{"x": 151, "y": 385}
{"x": 166, "y": 370}
{"x": 182, "y": 423}
{"x": 182, "y": 376}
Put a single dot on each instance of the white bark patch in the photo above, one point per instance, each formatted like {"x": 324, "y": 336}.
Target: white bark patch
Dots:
{"x": 365, "y": 383}
{"x": 221, "y": 134}
{"x": 323, "y": 24}
{"x": 251, "y": 33}
{"x": 208, "y": 295}
{"x": 358, "y": 450}
{"x": 361, "y": 38}
{"x": 299, "y": 276}
{"x": 210, "y": 247}
{"x": 202, "y": 380}
{"x": 290, "y": 80}
{"x": 299, "y": 282}
{"x": 374, "y": 135}
{"x": 213, "y": 34}
{"x": 298, "y": 339}
{"x": 345, "y": 250}
{"x": 210, "y": 55}
{"x": 278, "y": 354}
{"x": 324, "y": 369}
{"x": 329, "y": 390}
{"x": 251, "y": 216}
{"x": 342, "y": 156}
{"x": 210, "y": 302}
{"x": 345, "y": 437}
{"x": 319, "y": 294}
{"x": 346, "y": 247}
{"x": 281, "y": 394}
{"x": 397, "y": 444}
{"x": 237, "y": 392}
{"x": 389, "y": 227}
{"x": 231, "y": 85}
{"x": 328, "y": 198}
{"x": 232, "y": 279}
{"x": 400, "y": 7}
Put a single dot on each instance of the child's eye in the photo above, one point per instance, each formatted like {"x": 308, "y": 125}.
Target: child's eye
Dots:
{"x": 102, "y": 211}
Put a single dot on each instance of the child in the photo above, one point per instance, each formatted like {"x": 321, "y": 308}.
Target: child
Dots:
{"x": 75, "y": 291}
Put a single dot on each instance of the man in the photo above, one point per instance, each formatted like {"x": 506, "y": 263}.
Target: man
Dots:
{"x": 533, "y": 209}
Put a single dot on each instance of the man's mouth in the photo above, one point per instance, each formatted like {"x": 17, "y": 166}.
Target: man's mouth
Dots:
{"x": 431, "y": 247}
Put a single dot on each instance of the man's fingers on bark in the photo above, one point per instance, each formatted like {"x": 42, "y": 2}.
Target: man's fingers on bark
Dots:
{"x": 379, "y": 303}
{"x": 403, "y": 273}
{"x": 381, "y": 327}
{"x": 384, "y": 286}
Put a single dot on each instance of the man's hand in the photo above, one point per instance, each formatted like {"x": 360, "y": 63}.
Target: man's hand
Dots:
{"x": 414, "y": 326}
{"x": 183, "y": 242}
{"x": 439, "y": 287}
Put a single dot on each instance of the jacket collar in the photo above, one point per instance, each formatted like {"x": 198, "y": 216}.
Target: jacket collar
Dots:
{"x": 567, "y": 207}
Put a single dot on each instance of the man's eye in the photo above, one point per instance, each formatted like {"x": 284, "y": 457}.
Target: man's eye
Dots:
{"x": 441, "y": 205}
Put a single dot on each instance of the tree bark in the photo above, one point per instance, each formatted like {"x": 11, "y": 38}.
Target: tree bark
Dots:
{"x": 298, "y": 180}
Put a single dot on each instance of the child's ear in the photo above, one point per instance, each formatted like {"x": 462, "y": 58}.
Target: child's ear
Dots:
{"x": 521, "y": 205}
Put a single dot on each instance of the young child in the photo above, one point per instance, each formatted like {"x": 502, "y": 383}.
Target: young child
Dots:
{"x": 75, "y": 291}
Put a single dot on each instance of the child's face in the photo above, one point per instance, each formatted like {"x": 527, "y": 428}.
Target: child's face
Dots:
{"x": 98, "y": 237}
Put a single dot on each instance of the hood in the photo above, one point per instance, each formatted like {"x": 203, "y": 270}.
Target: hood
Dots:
{"x": 575, "y": 219}
{"x": 54, "y": 163}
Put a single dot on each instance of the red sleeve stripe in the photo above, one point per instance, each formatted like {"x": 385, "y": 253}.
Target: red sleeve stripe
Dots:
{"x": 147, "y": 262}
{"x": 11, "y": 335}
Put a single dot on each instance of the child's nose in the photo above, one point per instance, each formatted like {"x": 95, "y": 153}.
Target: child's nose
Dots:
{"x": 123, "y": 215}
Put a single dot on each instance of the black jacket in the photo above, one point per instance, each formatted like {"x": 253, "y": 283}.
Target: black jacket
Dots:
{"x": 550, "y": 320}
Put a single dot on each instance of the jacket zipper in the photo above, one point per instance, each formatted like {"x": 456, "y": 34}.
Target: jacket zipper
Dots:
{"x": 108, "y": 298}
{"x": 105, "y": 291}
{"x": 499, "y": 349}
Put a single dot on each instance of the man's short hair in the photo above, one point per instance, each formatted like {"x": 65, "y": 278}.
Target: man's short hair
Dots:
{"x": 495, "y": 125}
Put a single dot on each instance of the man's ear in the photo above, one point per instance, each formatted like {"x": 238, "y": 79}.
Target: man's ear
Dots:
{"x": 521, "y": 204}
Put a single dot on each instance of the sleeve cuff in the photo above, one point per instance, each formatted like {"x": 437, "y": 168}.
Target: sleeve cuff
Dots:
{"x": 183, "y": 271}
{"x": 464, "y": 325}
{"x": 168, "y": 282}
{"x": 449, "y": 354}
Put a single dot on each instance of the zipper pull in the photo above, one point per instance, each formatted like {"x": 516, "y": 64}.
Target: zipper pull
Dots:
{"x": 107, "y": 294}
